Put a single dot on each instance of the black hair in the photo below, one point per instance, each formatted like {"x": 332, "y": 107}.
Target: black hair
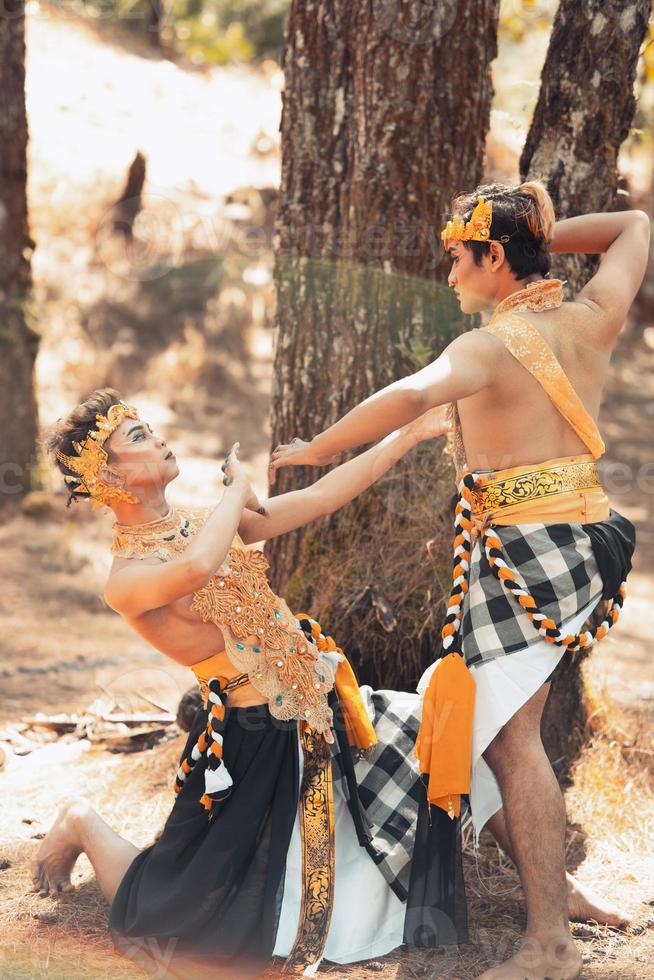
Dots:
{"x": 75, "y": 428}
{"x": 523, "y": 220}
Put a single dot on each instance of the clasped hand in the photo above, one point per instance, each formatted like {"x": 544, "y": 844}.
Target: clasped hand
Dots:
{"x": 298, "y": 452}
{"x": 234, "y": 474}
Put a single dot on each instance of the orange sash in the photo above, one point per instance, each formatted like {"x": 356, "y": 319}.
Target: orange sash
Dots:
{"x": 529, "y": 347}
{"x": 359, "y": 729}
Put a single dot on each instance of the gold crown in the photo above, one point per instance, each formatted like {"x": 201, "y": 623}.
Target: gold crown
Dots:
{"x": 91, "y": 457}
{"x": 475, "y": 230}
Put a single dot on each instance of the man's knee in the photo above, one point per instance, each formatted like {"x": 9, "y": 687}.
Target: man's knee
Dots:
{"x": 78, "y": 813}
{"x": 517, "y": 741}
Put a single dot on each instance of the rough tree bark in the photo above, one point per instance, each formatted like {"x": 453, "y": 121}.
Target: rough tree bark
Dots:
{"x": 584, "y": 111}
{"x": 583, "y": 114}
{"x": 380, "y": 127}
{"x": 18, "y": 342}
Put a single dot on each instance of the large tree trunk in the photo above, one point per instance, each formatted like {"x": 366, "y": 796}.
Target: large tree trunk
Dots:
{"x": 385, "y": 112}
{"x": 18, "y": 342}
{"x": 584, "y": 112}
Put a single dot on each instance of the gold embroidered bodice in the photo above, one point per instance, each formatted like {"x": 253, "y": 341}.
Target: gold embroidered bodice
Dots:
{"x": 529, "y": 347}
{"x": 262, "y": 636}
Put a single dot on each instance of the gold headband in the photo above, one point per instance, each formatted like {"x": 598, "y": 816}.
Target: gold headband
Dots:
{"x": 91, "y": 457}
{"x": 475, "y": 230}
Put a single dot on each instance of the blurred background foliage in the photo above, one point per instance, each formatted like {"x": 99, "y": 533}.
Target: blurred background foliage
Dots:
{"x": 211, "y": 32}
{"x": 220, "y": 32}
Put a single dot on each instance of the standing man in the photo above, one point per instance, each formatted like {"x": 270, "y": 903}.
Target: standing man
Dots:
{"x": 536, "y": 546}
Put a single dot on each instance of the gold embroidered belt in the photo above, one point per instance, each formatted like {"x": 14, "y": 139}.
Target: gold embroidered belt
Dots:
{"x": 231, "y": 685}
{"x": 317, "y": 828}
{"x": 564, "y": 489}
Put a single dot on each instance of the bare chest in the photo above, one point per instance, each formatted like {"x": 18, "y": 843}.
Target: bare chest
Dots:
{"x": 179, "y": 631}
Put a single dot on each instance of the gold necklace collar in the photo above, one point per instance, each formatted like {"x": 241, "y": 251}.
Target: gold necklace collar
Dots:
{"x": 165, "y": 537}
{"x": 147, "y": 527}
{"x": 545, "y": 294}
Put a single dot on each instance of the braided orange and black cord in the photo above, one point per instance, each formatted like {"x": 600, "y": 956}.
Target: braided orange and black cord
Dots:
{"x": 546, "y": 627}
{"x": 451, "y": 630}
{"x": 209, "y": 743}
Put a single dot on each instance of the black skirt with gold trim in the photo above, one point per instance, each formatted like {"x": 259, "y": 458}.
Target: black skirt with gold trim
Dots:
{"x": 209, "y": 892}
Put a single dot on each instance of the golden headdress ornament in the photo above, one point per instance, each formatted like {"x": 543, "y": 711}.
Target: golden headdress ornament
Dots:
{"x": 91, "y": 457}
{"x": 475, "y": 230}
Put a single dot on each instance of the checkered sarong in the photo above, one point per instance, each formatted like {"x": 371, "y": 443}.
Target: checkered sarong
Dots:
{"x": 389, "y": 783}
{"x": 554, "y": 562}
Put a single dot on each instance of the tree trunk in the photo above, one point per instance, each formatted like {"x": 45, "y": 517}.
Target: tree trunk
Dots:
{"x": 584, "y": 112}
{"x": 156, "y": 13}
{"x": 18, "y": 342}
{"x": 385, "y": 113}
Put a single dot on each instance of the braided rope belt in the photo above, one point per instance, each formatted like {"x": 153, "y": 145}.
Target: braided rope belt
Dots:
{"x": 218, "y": 782}
{"x": 465, "y": 525}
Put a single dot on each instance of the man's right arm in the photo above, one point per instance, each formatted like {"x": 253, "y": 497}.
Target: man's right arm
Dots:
{"x": 467, "y": 365}
{"x": 137, "y": 587}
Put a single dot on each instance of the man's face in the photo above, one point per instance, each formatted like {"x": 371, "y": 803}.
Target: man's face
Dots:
{"x": 472, "y": 283}
{"x": 142, "y": 458}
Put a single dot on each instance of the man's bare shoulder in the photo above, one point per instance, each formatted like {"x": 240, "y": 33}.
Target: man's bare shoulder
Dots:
{"x": 592, "y": 323}
{"x": 474, "y": 360}
{"x": 115, "y": 582}
{"x": 572, "y": 321}
{"x": 582, "y": 312}
{"x": 475, "y": 342}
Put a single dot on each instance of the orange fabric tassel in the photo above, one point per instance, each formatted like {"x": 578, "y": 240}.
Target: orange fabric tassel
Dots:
{"x": 358, "y": 726}
{"x": 444, "y": 744}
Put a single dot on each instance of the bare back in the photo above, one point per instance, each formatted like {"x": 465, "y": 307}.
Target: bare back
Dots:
{"x": 513, "y": 422}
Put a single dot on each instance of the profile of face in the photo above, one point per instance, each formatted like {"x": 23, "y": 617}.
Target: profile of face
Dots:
{"x": 475, "y": 285}
{"x": 140, "y": 458}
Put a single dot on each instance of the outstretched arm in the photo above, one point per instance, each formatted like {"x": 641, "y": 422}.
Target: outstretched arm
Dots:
{"x": 340, "y": 485}
{"x": 466, "y": 366}
{"x": 622, "y": 239}
{"x": 135, "y": 586}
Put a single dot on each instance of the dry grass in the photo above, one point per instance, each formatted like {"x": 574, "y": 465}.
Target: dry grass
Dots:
{"x": 67, "y": 937}
{"x": 610, "y": 807}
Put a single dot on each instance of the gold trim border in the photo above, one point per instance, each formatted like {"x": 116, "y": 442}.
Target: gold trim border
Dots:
{"x": 535, "y": 485}
{"x": 317, "y": 826}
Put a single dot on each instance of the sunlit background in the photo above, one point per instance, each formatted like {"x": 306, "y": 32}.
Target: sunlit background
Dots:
{"x": 180, "y": 319}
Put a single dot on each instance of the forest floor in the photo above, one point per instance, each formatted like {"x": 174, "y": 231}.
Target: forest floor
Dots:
{"x": 61, "y": 647}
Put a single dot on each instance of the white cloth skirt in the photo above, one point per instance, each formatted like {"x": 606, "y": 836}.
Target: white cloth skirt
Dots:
{"x": 502, "y": 686}
{"x": 367, "y": 918}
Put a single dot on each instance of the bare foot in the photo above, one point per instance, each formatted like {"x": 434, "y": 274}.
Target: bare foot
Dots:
{"x": 52, "y": 865}
{"x": 585, "y": 905}
{"x": 554, "y": 959}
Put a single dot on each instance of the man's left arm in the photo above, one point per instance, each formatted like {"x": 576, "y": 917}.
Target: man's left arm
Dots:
{"x": 342, "y": 484}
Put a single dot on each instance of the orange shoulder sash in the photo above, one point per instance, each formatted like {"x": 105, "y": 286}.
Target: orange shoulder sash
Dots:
{"x": 529, "y": 347}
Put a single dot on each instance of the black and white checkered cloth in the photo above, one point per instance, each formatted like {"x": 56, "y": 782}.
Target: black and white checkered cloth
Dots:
{"x": 388, "y": 778}
{"x": 554, "y": 562}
